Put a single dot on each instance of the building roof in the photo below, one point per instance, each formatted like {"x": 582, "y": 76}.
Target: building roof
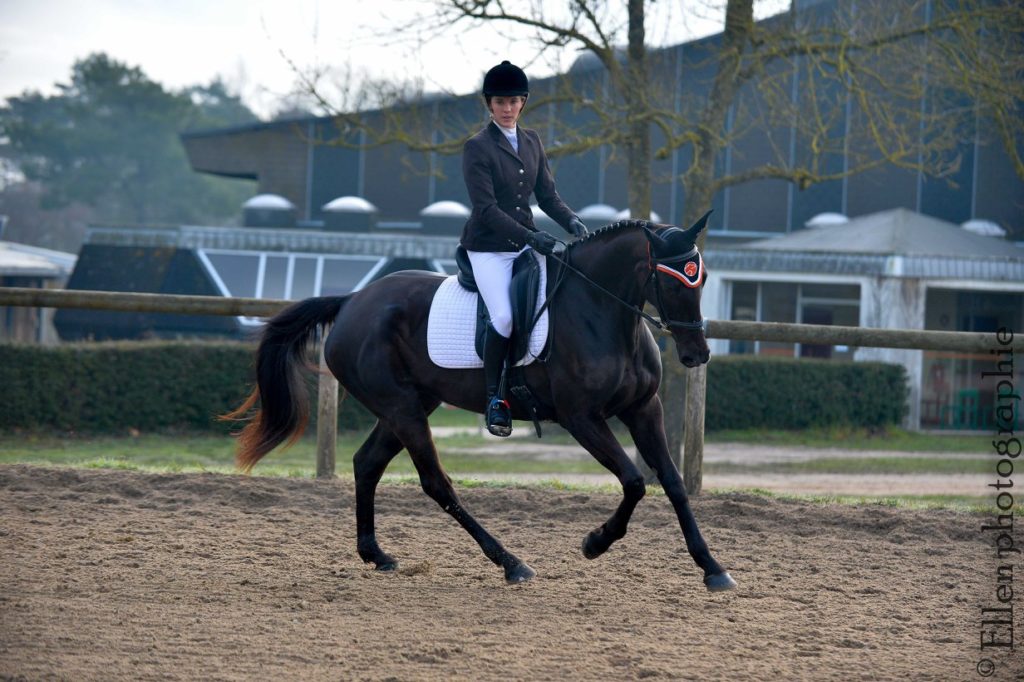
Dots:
{"x": 446, "y": 209}
{"x": 349, "y": 204}
{"x": 269, "y": 239}
{"x": 269, "y": 201}
{"x": 896, "y": 243}
{"x": 898, "y": 232}
{"x": 21, "y": 260}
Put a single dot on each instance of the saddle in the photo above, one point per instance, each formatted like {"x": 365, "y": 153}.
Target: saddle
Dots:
{"x": 524, "y": 291}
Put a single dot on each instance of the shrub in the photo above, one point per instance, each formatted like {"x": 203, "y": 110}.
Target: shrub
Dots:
{"x": 746, "y": 392}
{"x": 173, "y": 385}
{"x": 149, "y": 386}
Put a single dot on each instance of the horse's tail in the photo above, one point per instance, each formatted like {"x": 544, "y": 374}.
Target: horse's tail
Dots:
{"x": 280, "y": 389}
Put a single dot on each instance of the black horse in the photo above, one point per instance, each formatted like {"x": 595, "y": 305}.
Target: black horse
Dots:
{"x": 603, "y": 363}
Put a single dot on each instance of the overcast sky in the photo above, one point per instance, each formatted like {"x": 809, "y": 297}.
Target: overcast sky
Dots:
{"x": 187, "y": 42}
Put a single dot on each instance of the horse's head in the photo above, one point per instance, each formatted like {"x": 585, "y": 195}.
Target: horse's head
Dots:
{"x": 677, "y": 277}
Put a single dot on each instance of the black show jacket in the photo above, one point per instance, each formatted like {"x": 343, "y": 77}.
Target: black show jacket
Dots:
{"x": 500, "y": 183}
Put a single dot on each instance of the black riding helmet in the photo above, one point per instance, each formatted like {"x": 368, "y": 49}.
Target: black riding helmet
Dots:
{"x": 506, "y": 80}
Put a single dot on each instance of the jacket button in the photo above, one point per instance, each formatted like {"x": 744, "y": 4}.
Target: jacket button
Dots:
{"x": 519, "y": 208}
{"x": 519, "y": 196}
{"x": 521, "y": 171}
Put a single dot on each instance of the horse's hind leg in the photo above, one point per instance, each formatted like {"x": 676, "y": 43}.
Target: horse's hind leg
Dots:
{"x": 648, "y": 431}
{"x": 594, "y": 435}
{"x": 415, "y": 434}
{"x": 369, "y": 464}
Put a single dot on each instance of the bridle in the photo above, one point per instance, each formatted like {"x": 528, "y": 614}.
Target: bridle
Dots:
{"x": 655, "y": 265}
{"x": 692, "y": 280}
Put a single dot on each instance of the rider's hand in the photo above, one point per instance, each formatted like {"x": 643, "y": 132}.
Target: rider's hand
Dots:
{"x": 577, "y": 228}
{"x": 542, "y": 242}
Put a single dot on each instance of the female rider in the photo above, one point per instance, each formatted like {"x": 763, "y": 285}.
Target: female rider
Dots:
{"x": 503, "y": 165}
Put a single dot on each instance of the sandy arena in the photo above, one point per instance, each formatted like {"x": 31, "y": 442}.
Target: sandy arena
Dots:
{"x": 110, "y": 574}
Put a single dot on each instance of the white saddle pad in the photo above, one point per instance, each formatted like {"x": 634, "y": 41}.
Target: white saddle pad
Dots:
{"x": 451, "y": 326}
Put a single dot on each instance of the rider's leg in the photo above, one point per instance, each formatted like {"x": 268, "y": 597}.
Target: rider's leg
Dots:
{"x": 493, "y": 274}
{"x": 497, "y": 414}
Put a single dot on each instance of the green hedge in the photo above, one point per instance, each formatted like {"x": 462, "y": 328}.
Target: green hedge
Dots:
{"x": 160, "y": 386}
{"x": 148, "y": 386}
{"x": 746, "y": 392}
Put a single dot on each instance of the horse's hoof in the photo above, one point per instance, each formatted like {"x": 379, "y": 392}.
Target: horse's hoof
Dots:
{"x": 386, "y": 566}
{"x": 719, "y": 582}
{"x": 519, "y": 574}
{"x": 593, "y": 545}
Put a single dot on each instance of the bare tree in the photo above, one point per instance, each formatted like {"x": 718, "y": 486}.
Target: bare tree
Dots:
{"x": 834, "y": 90}
{"x": 913, "y": 76}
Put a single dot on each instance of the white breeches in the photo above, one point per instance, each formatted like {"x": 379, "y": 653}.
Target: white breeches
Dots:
{"x": 493, "y": 273}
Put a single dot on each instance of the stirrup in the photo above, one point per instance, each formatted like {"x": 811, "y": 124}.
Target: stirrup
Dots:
{"x": 499, "y": 417}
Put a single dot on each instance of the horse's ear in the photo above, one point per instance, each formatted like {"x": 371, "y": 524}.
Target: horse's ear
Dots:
{"x": 658, "y": 243}
{"x": 698, "y": 226}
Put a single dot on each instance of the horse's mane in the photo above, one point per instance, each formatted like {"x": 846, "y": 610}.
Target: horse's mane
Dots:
{"x": 613, "y": 228}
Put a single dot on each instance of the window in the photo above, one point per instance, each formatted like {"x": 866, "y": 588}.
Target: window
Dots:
{"x": 287, "y": 276}
{"x": 341, "y": 277}
{"x": 744, "y": 307}
{"x": 446, "y": 266}
{"x": 803, "y": 302}
{"x": 954, "y": 392}
{"x": 235, "y": 273}
{"x": 778, "y": 304}
{"x": 275, "y": 277}
{"x": 304, "y": 277}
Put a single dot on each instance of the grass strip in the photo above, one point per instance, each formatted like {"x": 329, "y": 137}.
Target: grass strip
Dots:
{"x": 963, "y": 503}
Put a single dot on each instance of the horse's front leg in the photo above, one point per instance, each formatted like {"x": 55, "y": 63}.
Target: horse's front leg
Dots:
{"x": 594, "y": 435}
{"x": 647, "y": 427}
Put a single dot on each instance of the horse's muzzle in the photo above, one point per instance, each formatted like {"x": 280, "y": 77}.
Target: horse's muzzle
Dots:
{"x": 693, "y": 354}
{"x": 696, "y": 359}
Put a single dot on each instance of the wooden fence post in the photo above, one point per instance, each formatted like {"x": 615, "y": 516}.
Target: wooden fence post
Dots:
{"x": 326, "y": 420}
{"x": 693, "y": 425}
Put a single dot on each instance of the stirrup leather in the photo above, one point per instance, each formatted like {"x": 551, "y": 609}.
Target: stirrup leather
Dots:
{"x": 499, "y": 417}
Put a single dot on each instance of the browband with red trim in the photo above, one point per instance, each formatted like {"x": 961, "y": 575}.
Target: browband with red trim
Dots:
{"x": 692, "y": 274}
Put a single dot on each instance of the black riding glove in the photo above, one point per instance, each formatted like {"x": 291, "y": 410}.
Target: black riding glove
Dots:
{"x": 542, "y": 242}
{"x": 577, "y": 228}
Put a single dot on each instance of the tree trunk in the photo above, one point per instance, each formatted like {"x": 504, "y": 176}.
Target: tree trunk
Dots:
{"x": 638, "y": 148}
{"x": 699, "y": 192}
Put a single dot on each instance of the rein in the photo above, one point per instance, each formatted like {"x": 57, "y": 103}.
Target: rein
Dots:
{"x": 664, "y": 323}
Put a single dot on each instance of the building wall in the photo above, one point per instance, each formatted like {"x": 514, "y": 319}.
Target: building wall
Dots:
{"x": 898, "y": 303}
{"x": 277, "y": 156}
{"x": 955, "y": 393}
{"x": 27, "y": 325}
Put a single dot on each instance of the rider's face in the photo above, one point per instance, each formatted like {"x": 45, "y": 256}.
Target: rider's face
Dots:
{"x": 506, "y": 110}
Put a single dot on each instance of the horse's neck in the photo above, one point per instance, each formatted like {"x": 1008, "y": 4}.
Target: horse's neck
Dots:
{"x": 616, "y": 263}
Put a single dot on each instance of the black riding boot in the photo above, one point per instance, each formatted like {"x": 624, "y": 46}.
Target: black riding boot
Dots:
{"x": 498, "y": 414}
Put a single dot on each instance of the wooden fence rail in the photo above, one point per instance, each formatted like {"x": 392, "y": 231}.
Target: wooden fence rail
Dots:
{"x": 139, "y": 303}
{"x": 717, "y": 329}
{"x": 973, "y": 342}
{"x": 868, "y": 337}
